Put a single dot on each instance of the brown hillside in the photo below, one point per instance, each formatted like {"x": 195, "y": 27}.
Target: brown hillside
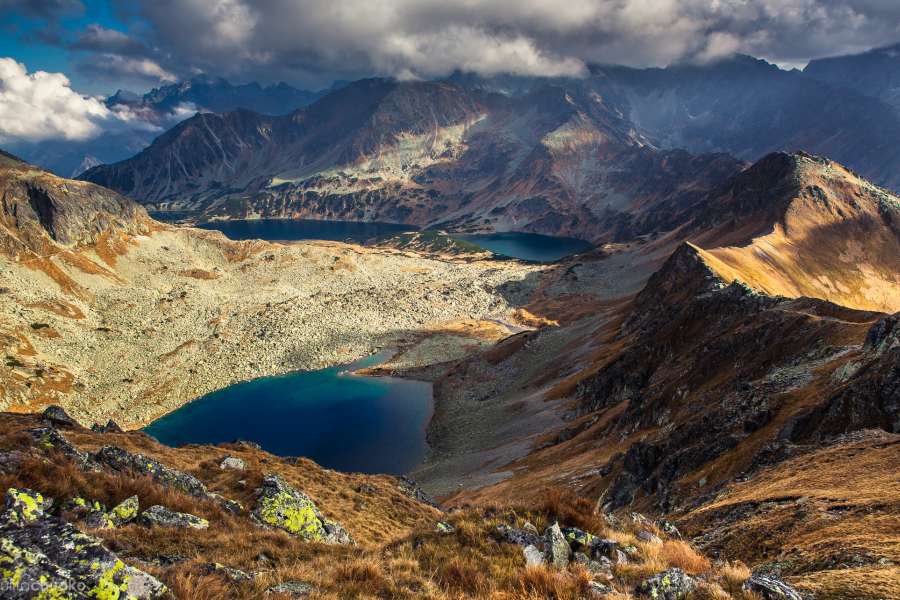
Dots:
{"x": 799, "y": 225}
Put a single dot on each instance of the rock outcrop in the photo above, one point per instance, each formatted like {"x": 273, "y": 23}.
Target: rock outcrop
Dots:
{"x": 280, "y": 505}
{"x": 43, "y": 557}
{"x": 160, "y": 516}
{"x": 120, "y": 460}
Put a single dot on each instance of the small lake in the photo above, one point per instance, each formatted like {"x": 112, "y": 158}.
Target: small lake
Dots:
{"x": 525, "y": 246}
{"x": 342, "y": 421}
{"x": 306, "y": 229}
{"x": 528, "y": 246}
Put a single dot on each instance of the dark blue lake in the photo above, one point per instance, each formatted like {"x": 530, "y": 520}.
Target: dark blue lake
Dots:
{"x": 525, "y": 246}
{"x": 341, "y": 421}
{"x": 304, "y": 229}
{"x": 528, "y": 246}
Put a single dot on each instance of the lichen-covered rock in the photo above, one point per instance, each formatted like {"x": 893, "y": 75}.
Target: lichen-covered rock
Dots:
{"x": 24, "y": 505}
{"x": 280, "y": 505}
{"x": 296, "y": 589}
{"x": 533, "y": 556}
{"x": 125, "y": 511}
{"x": 44, "y": 557}
{"x": 558, "y": 550}
{"x": 160, "y": 516}
{"x": 232, "y": 462}
{"x": 444, "y": 527}
{"x": 521, "y": 537}
{"x": 672, "y": 584}
{"x": 120, "y": 460}
{"x": 58, "y": 417}
{"x": 578, "y": 539}
{"x": 770, "y": 588}
{"x": 48, "y": 439}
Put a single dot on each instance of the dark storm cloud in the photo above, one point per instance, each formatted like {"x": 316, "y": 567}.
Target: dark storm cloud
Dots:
{"x": 96, "y": 38}
{"x": 318, "y": 40}
{"x": 43, "y": 9}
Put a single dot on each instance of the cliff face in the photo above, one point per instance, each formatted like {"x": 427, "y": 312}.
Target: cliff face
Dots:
{"x": 40, "y": 210}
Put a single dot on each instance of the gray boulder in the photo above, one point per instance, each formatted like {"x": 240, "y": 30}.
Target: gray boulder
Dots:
{"x": 521, "y": 537}
{"x": 58, "y": 417}
{"x": 533, "y": 556}
{"x": 672, "y": 584}
{"x": 609, "y": 550}
{"x": 160, "y": 516}
{"x": 122, "y": 461}
{"x": 282, "y": 506}
{"x": 296, "y": 589}
{"x": 771, "y": 588}
{"x": 600, "y": 567}
{"x": 558, "y": 549}
{"x": 48, "y": 439}
{"x": 649, "y": 537}
{"x": 232, "y": 462}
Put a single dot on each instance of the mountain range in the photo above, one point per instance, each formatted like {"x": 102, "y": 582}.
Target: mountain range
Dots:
{"x": 598, "y": 157}
{"x": 733, "y": 372}
{"x": 155, "y": 111}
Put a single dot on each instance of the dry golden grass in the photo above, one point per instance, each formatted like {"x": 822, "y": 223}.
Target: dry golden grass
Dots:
{"x": 400, "y": 555}
{"x": 683, "y": 556}
{"x": 733, "y": 575}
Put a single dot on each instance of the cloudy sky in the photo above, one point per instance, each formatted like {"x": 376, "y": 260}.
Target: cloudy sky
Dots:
{"x": 64, "y": 49}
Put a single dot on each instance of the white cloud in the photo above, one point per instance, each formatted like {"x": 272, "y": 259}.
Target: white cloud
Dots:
{"x": 40, "y": 106}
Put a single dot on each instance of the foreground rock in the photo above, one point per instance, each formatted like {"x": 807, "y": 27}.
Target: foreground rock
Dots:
{"x": 58, "y": 417}
{"x": 672, "y": 584}
{"x": 119, "y": 460}
{"x": 160, "y": 516}
{"x": 280, "y": 505}
{"x": 295, "y": 589}
{"x": 44, "y": 557}
{"x": 770, "y": 588}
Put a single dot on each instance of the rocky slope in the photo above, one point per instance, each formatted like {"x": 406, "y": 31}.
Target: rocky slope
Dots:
{"x": 93, "y": 514}
{"x": 111, "y": 314}
{"x": 706, "y": 398}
